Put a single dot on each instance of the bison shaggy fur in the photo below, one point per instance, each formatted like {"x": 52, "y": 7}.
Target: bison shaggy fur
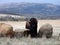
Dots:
{"x": 6, "y": 30}
{"x": 18, "y": 33}
{"x": 32, "y": 26}
{"x": 46, "y": 30}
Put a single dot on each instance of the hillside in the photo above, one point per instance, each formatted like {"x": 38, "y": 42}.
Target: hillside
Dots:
{"x": 40, "y": 11}
{"x": 8, "y": 17}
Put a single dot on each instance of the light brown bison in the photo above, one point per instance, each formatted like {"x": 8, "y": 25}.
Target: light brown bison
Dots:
{"x": 23, "y": 33}
{"x": 32, "y": 26}
{"x": 46, "y": 30}
{"x": 27, "y": 25}
{"x": 18, "y": 34}
{"x": 6, "y": 30}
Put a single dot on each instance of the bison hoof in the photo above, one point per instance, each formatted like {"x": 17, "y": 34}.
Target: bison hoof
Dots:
{"x": 40, "y": 35}
{"x": 48, "y": 36}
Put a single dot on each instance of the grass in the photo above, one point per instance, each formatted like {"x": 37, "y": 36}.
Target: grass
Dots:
{"x": 29, "y": 41}
{"x": 55, "y": 40}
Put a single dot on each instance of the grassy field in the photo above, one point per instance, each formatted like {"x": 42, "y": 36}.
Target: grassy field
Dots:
{"x": 55, "y": 40}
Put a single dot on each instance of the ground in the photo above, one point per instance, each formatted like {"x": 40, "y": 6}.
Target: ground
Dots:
{"x": 55, "y": 40}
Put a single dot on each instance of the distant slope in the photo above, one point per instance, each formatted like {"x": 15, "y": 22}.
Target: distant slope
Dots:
{"x": 41, "y": 11}
{"x": 8, "y": 17}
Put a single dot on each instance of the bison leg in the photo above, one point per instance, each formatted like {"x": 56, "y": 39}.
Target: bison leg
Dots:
{"x": 10, "y": 34}
{"x": 48, "y": 35}
{"x": 40, "y": 34}
{"x": 33, "y": 33}
{"x": 26, "y": 33}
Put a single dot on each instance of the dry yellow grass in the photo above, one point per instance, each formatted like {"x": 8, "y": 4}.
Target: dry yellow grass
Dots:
{"x": 34, "y": 41}
{"x": 21, "y": 24}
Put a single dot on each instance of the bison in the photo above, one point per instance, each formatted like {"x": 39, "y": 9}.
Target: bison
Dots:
{"x": 27, "y": 25}
{"x": 32, "y": 26}
{"x": 23, "y": 33}
{"x": 46, "y": 30}
{"x": 6, "y": 30}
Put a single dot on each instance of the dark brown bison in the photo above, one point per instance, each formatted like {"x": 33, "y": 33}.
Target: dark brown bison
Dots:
{"x": 26, "y": 33}
{"x": 46, "y": 30}
{"x": 32, "y": 26}
{"x": 6, "y": 30}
